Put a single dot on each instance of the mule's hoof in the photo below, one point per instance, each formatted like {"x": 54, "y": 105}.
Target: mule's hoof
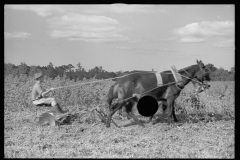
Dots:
{"x": 175, "y": 120}
{"x": 63, "y": 112}
{"x": 154, "y": 122}
{"x": 148, "y": 121}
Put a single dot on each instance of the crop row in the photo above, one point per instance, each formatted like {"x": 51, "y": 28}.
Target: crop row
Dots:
{"x": 219, "y": 98}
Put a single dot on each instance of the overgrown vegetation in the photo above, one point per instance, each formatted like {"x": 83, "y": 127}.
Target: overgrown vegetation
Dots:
{"x": 79, "y": 73}
{"x": 206, "y": 127}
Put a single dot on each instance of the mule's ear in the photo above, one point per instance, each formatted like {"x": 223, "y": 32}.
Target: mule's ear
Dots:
{"x": 197, "y": 62}
{"x": 201, "y": 63}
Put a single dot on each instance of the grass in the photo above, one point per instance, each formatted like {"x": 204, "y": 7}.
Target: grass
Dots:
{"x": 192, "y": 137}
{"x": 205, "y": 130}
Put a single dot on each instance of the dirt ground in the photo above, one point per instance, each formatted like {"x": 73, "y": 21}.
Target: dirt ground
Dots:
{"x": 195, "y": 136}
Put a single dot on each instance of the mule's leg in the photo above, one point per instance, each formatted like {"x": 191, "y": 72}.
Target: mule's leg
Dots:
{"x": 150, "y": 119}
{"x": 130, "y": 114}
{"x": 171, "y": 108}
{"x": 120, "y": 112}
{"x": 113, "y": 109}
{"x": 173, "y": 113}
{"x": 164, "y": 108}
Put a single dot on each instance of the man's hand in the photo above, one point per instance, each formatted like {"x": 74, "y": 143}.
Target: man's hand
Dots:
{"x": 51, "y": 89}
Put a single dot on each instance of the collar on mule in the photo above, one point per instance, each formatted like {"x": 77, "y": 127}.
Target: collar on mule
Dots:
{"x": 180, "y": 85}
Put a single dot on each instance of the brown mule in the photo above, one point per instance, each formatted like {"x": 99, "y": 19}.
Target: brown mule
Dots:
{"x": 146, "y": 84}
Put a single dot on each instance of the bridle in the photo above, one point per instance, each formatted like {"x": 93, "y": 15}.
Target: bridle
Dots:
{"x": 194, "y": 79}
{"x": 191, "y": 78}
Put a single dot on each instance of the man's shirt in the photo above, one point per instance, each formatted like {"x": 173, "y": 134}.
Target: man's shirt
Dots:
{"x": 37, "y": 91}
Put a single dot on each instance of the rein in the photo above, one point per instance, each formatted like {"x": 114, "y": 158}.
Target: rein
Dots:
{"x": 128, "y": 75}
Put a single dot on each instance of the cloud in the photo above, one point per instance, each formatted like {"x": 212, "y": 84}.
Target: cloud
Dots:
{"x": 16, "y": 34}
{"x": 123, "y": 48}
{"x": 200, "y": 32}
{"x": 41, "y": 10}
{"x": 89, "y": 28}
{"x": 191, "y": 40}
{"x": 126, "y": 8}
{"x": 189, "y": 56}
{"x": 229, "y": 43}
{"x": 168, "y": 39}
{"x": 148, "y": 50}
{"x": 121, "y": 8}
{"x": 207, "y": 29}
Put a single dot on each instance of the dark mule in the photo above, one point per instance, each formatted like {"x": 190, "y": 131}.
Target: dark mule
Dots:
{"x": 143, "y": 83}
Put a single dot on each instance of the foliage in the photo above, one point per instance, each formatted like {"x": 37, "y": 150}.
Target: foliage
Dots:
{"x": 205, "y": 130}
{"x": 220, "y": 74}
{"x": 216, "y": 74}
{"x": 68, "y": 70}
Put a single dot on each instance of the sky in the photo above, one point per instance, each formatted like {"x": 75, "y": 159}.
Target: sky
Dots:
{"x": 120, "y": 37}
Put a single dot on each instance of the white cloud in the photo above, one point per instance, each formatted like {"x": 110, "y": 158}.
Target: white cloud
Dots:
{"x": 200, "y": 32}
{"x": 121, "y": 8}
{"x": 87, "y": 28}
{"x": 148, "y": 50}
{"x": 126, "y": 8}
{"x": 168, "y": 39}
{"x": 206, "y": 29}
{"x": 16, "y": 34}
{"x": 229, "y": 43}
{"x": 41, "y": 10}
{"x": 123, "y": 48}
{"x": 191, "y": 40}
{"x": 47, "y": 10}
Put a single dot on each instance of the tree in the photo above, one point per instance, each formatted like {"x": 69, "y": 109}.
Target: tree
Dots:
{"x": 211, "y": 67}
{"x": 79, "y": 67}
{"x": 222, "y": 75}
{"x": 50, "y": 65}
{"x": 70, "y": 66}
{"x": 8, "y": 68}
{"x": 51, "y": 72}
{"x": 32, "y": 70}
{"x": 233, "y": 69}
{"x": 23, "y": 68}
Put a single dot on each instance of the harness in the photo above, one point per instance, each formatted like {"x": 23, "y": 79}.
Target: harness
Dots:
{"x": 180, "y": 87}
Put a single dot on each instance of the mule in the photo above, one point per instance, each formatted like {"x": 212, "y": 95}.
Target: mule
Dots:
{"x": 145, "y": 83}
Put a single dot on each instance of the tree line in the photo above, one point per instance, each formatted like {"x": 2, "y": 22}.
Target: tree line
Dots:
{"x": 78, "y": 72}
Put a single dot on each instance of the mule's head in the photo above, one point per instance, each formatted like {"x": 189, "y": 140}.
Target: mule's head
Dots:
{"x": 198, "y": 86}
{"x": 203, "y": 77}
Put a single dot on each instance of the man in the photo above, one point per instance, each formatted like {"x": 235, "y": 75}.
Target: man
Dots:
{"x": 39, "y": 95}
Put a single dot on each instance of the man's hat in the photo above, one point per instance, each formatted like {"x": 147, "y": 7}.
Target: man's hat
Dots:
{"x": 38, "y": 75}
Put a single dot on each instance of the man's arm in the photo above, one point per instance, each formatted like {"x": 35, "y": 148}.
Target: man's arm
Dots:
{"x": 43, "y": 92}
{"x": 46, "y": 92}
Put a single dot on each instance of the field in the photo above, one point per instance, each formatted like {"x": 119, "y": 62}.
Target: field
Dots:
{"x": 206, "y": 128}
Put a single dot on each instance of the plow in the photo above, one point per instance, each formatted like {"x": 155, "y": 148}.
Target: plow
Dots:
{"x": 49, "y": 118}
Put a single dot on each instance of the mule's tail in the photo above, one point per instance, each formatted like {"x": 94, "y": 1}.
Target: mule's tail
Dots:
{"x": 110, "y": 95}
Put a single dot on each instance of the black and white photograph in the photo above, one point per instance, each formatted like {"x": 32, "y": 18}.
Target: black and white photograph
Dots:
{"x": 119, "y": 80}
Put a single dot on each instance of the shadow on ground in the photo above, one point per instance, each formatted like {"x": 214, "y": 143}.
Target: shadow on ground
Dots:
{"x": 69, "y": 119}
{"x": 194, "y": 118}
{"x": 185, "y": 118}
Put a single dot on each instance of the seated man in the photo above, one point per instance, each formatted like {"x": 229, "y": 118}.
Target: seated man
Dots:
{"x": 39, "y": 95}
